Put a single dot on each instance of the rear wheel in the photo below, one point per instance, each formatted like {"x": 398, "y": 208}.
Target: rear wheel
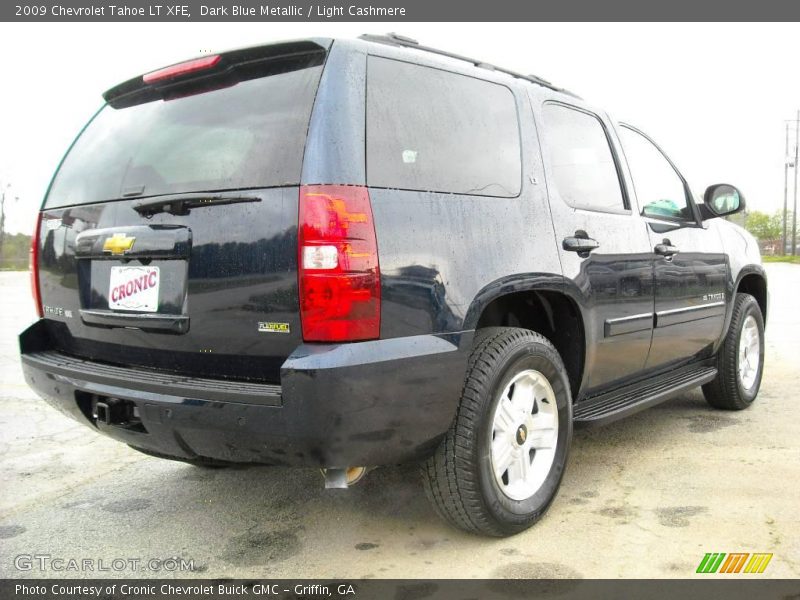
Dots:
{"x": 500, "y": 464}
{"x": 740, "y": 360}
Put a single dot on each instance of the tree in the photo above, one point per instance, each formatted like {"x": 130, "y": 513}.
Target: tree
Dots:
{"x": 16, "y": 248}
{"x": 4, "y": 187}
{"x": 764, "y": 226}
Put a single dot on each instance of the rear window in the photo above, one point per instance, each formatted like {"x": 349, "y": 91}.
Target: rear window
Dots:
{"x": 432, "y": 130}
{"x": 249, "y": 135}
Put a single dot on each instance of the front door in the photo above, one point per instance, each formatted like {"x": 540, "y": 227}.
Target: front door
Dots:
{"x": 690, "y": 265}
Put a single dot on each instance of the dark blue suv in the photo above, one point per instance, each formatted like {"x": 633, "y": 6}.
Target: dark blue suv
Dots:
{"x": 354, "y": 253}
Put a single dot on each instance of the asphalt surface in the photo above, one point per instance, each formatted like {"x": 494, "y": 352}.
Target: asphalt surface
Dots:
{"x": 645, "y": 497}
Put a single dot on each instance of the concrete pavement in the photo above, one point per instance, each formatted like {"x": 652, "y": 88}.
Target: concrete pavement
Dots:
{"x": 645, "y": 497}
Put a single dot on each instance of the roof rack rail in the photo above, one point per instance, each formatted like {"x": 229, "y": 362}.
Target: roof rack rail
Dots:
{"x": 394, "y": 39}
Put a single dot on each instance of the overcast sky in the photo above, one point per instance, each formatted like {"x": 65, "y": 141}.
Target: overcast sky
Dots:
{"x": 715, "y": 97}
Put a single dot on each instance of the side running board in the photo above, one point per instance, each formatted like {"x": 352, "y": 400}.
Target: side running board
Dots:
{"x": 608, "y": 407}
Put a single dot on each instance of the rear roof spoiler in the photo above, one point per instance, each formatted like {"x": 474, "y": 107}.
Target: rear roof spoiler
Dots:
{"x": 231, "y": 68}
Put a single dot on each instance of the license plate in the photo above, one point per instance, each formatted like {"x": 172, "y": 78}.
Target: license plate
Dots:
{"x": 134, "y": 288}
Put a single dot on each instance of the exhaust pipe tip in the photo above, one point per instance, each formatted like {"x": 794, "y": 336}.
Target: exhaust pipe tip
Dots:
{"x": 343, "y": 478}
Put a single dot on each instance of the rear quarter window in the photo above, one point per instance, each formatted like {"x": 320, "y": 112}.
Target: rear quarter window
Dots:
{"x": 432, "y": 130}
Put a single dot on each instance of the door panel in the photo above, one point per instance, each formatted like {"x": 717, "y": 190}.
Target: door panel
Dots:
{"x": 690, "y": 266}
{"x": 614, "y": 281}
{"x": 690, "y": 294}
{"x": 616, "y": 285}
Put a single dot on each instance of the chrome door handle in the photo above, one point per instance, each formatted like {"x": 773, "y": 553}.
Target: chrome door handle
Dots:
{"x": 580, "y": 243}
{"x": 665, "y": 249}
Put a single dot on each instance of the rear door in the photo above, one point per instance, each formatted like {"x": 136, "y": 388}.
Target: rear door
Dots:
{"x": 604, "y": 246}
{"x": 169, "y": 234}
{"x": 691, "y": 267}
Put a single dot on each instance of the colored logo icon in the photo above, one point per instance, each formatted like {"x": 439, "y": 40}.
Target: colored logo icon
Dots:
{"x": 735, "y": 562}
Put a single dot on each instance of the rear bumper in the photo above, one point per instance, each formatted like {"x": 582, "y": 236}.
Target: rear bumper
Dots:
{"x": 367, "y": 403}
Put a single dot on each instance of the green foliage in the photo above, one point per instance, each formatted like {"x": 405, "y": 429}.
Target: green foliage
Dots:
{"x": 764, "y": 226}
{"x": 15, "y": 251}
{"x": 795, "y": 260}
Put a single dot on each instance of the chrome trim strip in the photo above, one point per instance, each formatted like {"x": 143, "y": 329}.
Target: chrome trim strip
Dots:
{"x": 686, "y": 314}
{"x": 630, "y": 318}
{"x": 675, "y": 311}
{"x": 629, "y": 324}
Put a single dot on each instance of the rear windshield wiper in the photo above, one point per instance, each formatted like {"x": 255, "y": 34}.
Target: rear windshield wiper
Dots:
{"x": 184, "y": 204}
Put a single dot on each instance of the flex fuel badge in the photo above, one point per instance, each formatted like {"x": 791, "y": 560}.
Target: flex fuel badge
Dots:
{"x": 265, "y": 327}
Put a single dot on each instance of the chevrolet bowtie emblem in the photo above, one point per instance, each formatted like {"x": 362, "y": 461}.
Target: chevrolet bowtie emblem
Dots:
{"x": 119, "y": 243}
{"x": 522, "y": 435}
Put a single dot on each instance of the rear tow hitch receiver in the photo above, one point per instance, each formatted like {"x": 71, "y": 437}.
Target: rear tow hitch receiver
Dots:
{"x": 102, "y": 413}
{"x": 117, "y": 412}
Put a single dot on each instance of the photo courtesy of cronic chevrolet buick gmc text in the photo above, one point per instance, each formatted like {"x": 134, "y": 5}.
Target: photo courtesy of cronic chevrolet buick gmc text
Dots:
{"x": 352, "y": 253}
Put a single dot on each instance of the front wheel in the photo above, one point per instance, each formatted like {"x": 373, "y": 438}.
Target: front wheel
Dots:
{"x": 740, "y": 360}
{"x": 500, "y": 465}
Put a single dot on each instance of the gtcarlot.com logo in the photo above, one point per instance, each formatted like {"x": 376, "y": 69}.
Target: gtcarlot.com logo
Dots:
{"x": 734, "y": 562}
{"x": 47, "y": 562}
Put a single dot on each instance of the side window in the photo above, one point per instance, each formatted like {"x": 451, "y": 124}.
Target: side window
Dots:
{"x": 432, "y": 130}
{"x": 659, "y": 188}
{"x": 580, "y": 156}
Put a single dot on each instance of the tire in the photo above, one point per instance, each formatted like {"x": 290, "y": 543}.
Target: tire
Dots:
{"x": 459, "y": 477}
{"x": 735, "y": 389}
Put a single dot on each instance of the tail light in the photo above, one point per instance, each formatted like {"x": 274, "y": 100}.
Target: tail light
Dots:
{"x": 34, "y": 267}
{"x": 339, "y": 276}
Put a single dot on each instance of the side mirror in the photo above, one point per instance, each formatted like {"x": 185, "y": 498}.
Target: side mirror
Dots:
{"x": 721, "y": 200}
